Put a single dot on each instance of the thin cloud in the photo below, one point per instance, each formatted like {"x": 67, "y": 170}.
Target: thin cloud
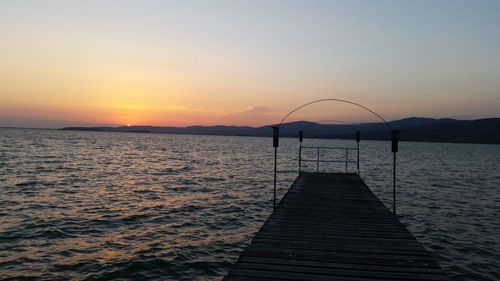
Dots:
{"x": 250, "y": 115}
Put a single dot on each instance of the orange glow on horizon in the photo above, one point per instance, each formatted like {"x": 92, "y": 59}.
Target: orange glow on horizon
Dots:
{"x": 247, "y": 63}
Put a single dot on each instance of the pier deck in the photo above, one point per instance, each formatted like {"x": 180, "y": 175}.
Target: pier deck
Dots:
{"x": 332, "y": 227}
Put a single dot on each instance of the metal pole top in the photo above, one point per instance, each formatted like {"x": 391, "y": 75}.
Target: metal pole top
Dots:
{"x": 276, "y": 135}
{"x": 395, "y": 140}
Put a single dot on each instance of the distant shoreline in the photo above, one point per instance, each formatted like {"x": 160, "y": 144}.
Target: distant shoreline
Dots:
{"x": 287, "y": 137}
{"x": 414, "y": 129}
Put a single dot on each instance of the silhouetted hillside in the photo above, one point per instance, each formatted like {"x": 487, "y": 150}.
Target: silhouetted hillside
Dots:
{"x": 464, "y": 131}
{"x": 411, "y": 129}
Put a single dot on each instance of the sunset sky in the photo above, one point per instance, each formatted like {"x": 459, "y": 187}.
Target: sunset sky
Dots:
{"x": 249, "y": 62}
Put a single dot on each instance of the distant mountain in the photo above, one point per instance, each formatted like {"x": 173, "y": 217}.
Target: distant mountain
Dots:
{"x": 463, "y": 131}
{"x": 411, "y": 129}
{"x": 418, "y": 121}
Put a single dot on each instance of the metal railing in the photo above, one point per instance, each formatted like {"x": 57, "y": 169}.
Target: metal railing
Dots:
{"x": 318, "y": 159}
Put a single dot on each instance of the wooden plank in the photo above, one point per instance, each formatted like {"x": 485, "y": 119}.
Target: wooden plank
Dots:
{"x": 326, "y": 253}
{"x": 341, "y": 245}
{"x": 336, "y": 257}
{"x": 341, "y": 271}
{"x": 332, "y": 227}
{"x": 365, "y": 242}
{"x": 321, "y": 264}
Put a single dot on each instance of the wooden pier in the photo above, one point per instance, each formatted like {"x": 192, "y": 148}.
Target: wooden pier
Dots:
{"x": 331, "y": 226}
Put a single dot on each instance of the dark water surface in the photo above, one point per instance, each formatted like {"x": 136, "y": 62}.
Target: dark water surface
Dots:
{"x": 117, "y": 206}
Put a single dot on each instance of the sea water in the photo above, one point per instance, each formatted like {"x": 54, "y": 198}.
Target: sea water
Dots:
{"x": 123, "y": 206}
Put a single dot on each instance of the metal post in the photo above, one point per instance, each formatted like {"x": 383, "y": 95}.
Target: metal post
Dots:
{"x": 394, "y": 138}
{"x": 300, "y": 157}
{"x": 317, "y": 163}
{"x": 300, "y": 150}
{"x": 275, "y": 171}
{"x": 358, "y": 138}
{"x": 394, "y": 184}
{"x": 346, "y": 158}
{"x": 275, "y": 144}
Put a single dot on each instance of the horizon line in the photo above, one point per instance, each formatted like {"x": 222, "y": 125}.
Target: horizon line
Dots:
{"x": 223, "y": 125}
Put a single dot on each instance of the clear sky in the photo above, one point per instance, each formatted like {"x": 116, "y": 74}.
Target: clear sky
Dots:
{"x": 245, "y": 62}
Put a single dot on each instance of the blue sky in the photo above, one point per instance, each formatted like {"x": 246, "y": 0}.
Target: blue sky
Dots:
{"x": 206, "y": 62}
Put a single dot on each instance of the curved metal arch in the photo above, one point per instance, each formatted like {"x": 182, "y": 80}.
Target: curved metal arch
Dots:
{"x": 338, "y": 100}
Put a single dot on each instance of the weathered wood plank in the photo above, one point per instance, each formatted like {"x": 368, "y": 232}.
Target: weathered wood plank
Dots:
{"x": 320, "y": 264}
{"x": 337, "y": 257}
{"x": 341, "y": 271}
{"x": 332, "y": 227}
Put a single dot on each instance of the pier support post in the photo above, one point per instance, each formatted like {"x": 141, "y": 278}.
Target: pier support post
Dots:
{"x": 394, "y": 137}
{"x": 317, "y": 162}
{"x": 346, "y": 159}
{"x": 358, "y": 138}
{"x": 301, "y": 136}
{"x": 275, "y": 145}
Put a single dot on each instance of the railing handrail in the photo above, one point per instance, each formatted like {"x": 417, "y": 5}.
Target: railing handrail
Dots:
{"x": 317, "y": 160}
{"x": 327, "y": 161}
{"x": 330, "y": 147}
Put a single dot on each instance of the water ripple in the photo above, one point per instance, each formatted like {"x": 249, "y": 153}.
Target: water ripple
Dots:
{"x": 113, "y": 206}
